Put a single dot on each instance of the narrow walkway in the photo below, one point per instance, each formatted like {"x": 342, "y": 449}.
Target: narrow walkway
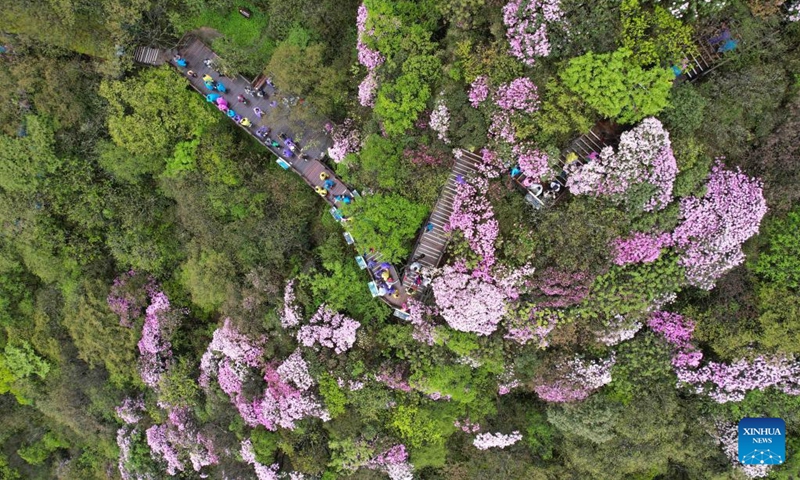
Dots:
{"x": 303, "y": 158}
{"x": 431, "y": 245}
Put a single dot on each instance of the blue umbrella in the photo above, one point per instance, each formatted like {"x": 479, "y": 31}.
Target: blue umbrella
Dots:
{"x": 231, "y": 113}
{"x": 221, "y": 88}
{"x": 212, "y": 97}
{"x": 209, "y": 85}
{"x": 181, "y": 62}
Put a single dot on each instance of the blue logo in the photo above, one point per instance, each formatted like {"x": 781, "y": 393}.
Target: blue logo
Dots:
{"x": 762, "y": 441}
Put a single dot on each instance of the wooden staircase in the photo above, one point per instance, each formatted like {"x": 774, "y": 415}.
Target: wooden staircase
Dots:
{"x": 148, "y": 56}
{"x": 431, "y": 245}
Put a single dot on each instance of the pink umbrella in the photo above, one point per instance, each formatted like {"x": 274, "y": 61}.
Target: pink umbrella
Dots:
{"x": 221, "y": 101}
{"x": 222, "y": 108}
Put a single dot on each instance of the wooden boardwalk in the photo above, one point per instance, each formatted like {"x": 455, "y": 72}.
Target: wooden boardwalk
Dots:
{"x": 312, "y": 170}
{"x": 431, "y": 245}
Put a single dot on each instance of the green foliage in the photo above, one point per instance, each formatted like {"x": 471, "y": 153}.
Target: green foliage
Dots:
{"x": 378, "y": 165}
{"x": 183, "y": 160}
{"x": 23, "y": 362}
{"x": 561, "y": 115}
{"x": 334, "y": 397}
{"x": 208, "y": 276}
{"x": 26, "y": 161}
{"x": 97, "y": 334}
{"x": 385, "y": 222}
{"x": 631, "y": 290}
{"x": 420, "y": 427}
{"x": 36, "y": 453}
{"x": 539, "y": 435}
{"x": 617, "y": 87}
{"x": 685, "y": 112}
{"x": 177, "y": 386}
{"x": 655, "y": 38}
{"x": 153, "y": 111}
{"x": 641, "y": 362}
{"x": 265, "y": 444}
{"x": 592, "y": 419}
{"x": 779, "y": 263}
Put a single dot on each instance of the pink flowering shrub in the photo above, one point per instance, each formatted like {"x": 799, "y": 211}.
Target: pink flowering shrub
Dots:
{"x": 677, "y": 331}
{"x": 177, "y": 440}
{"x": 519, "y": 95}
{"x": 394, "y": 462}
{"x": 714, "y": 227}
{"x": 130, "y": 410}
{"x": 346, "y": 139}
{"x": 440, "y": 121}
{"x": 235, "y": 360}
{"x": 473, "y": 216}
{"x": 419, "y": 315}
{"x": 491, "y": 165}
{"x": 479, "y": 90}
{"x": 531, "y": 324}
{"x": 485, "y": 441}
{"x": 729, "y": 383}
{"x": 155, "y": 349}
{"x": 424, "y": 155}
{"x": 329, "y": 329}
{"x": 393, "y": 378}
{"x": 562, "y": 289}
{"x": 127, "y": 297}
{"x": 526, "y": 22}
{"x": 576, "y": 379}
{"x": 640, "y": 248}
{"x": 644, "y": 156}
{"x": 467, "y": 426}
{"x": 367, "y": 90}
{"x": 793, "y": 12}
{"x": 291, "y": 313}
{"x": 125, "y": 444}
{"x": 368, "y": 57}
{"x": 468, "y": 303}
{"x": 532, "y": 163}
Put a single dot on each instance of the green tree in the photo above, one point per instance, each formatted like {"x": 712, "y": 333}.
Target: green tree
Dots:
{"x": 208, "y": 276}
{"x": 386, "y": 223}
{"x": 617, "y": 87}
{"x": 152, "y": 112}
{"x": 656, "y": 38}
{"x": 23, "y": 362}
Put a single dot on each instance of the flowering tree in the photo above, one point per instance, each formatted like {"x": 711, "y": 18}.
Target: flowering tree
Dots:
{"x": 177, "y": 439}
{"x": 291, "y": 313}
{"x": 677, "y": 331}
{"x": 729, "y": 383}
{"x": 640, "y": 248}
{"x": 127, "y": 296}
{"x": 346, "y": 139}
{"x": 473, "y": 216}
{"x": 371, "y": 59}
{"x": 520, "y": 96}
{"x": 234, "y": 359}
{"x": 526, "y": 22}
{"x": 155, "y": 349}
{"x": 468, "y": 303}
{"x": 531, "y": 323}
{"x": 329, "y": 329}
{"x": 643, "y": 166}
{"x": 485, "y": 441}
{"x": 562, "y": 289}
{"x": 618, "y": 330}
{"x": 714, "y": 227}
{"x": 394, "y": 462}
{"x": 367, "y": 90}
{"x": 440, "y": 121}
{"x": 130, "y": 410}
{"x": 419, "y": 315}
{"x": 479, "y": 91}
{"x": 532, "y": 162}
{"x": 576, "y": 380}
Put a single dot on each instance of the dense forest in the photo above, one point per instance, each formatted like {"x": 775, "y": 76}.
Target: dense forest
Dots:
{"x": 174, "y": 303}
